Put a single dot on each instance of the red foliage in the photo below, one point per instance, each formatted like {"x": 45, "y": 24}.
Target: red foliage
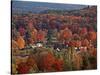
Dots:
{"x": 58, "y": 65}
{"x": 30, "y": 41}
{"x": 40, "y": 36}
{"x": 22, "y": 31}
{"x": 47, "y": 62}
{"x": 83, "y": 31}
{"x": 91, "y": 28}
{"x": 72, "y": 43}
{"x": 75, "y": 28}
{"x": 77, "y": 43}
{"x": 87, "y": 19}
{"x": 23, "y": 68}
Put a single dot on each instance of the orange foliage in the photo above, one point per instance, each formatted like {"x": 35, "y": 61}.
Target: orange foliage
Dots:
{"x": 85, "y": 42}
{"x": 76, "y": 37}
{"x": 75, "y": 43}
{"x": 34, "y": 34}
{"x": 21, "y": 42}
{"x": 65, "y": 34}
{"x": 92, "y": 35}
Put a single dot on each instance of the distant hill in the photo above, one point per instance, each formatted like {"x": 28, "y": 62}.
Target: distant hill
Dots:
{"x": 37, "y": 7}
